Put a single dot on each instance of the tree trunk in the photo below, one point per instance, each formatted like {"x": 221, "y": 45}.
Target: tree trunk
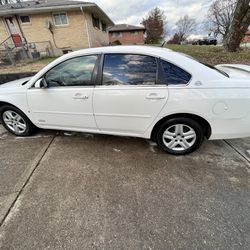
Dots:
{"x": 239, "y": 26}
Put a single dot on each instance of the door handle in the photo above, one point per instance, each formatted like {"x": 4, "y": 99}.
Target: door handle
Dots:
{"x": 80, "y": 97}
{"x": 154, "y": 96}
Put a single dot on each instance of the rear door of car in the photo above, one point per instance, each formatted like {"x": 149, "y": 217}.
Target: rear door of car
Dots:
{"x": 130, "y": 94}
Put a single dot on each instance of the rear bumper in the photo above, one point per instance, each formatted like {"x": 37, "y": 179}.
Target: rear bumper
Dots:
{"x": 230, "y": 129}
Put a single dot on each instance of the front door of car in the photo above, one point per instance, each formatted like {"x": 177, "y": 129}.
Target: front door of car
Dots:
{"x": 67, "y": 101}
{"x": 130, "y": 96}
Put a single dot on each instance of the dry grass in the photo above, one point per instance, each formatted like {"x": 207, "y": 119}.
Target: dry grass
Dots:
{"x": 213, "y": 54}
{"x": 33, "y": 66}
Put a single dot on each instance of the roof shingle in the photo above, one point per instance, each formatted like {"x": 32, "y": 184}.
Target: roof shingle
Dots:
{"x": 125, "y": 27}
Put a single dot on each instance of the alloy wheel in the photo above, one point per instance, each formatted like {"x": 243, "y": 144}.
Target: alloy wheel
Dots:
{"x": 179, "y": 137}
{"x": 14, "y": 121}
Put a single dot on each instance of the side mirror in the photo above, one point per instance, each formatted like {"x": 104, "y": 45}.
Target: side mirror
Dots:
{"x": 41, "y": 84}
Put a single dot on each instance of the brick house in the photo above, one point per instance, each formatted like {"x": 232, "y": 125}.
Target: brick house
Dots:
{"x": 64, "y": 25}
{"x": 246, "y": 38}
{"x": 127, "y": 34}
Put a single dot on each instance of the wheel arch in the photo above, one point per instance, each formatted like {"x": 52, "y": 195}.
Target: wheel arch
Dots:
{"x": 3, "y": 103}
{"x": 202, "y": 121}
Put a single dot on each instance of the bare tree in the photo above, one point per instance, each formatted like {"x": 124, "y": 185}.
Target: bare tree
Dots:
{"x": 185, "y": 26}
{"x": 220, "y": 15}
{"x": 155, "y": 24}
{"x": 238, "y": 26}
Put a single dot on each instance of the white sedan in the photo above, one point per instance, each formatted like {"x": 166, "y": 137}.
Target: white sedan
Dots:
{"x": 139, "y": 91}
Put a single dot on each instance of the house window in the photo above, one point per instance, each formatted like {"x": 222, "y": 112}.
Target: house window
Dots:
{"x": 134, "y": 33}
{"x": 96, "y": 21}
{"x": 25, "y": 19}
{"x": 116, "y": 34}
{"x": 60, "y": 19}
{"x": 104, "y": 27}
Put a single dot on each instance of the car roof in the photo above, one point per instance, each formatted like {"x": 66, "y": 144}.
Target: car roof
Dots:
{"x": 125, "y": 49}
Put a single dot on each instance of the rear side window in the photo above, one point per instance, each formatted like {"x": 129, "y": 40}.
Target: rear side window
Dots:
{"x": 128, "y": 69}
{"x": 173, "y": 75}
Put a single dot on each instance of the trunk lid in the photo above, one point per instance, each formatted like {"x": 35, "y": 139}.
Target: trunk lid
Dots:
{"x": 235, "y": 71}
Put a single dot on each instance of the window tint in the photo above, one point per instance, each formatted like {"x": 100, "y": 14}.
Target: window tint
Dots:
{"x": 174, "y": 75}
{"x": 74, "y": 72}
{"x": 122, "y": 69}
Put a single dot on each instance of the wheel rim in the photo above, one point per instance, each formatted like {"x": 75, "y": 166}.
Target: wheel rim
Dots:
{"x": 14, "y": 122}
{"x": 179, "y": 137}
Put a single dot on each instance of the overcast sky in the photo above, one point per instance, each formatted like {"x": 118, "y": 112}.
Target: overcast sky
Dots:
{"x": 132, "y": 12}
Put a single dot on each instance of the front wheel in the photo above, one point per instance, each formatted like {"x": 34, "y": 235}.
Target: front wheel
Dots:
{"x": 180, "y": 136}
{"x": 15, "y": 121}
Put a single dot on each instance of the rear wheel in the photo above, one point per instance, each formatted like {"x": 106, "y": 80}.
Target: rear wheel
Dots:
{"x": 15, "y": 121}
{"x": 180, "y": 136}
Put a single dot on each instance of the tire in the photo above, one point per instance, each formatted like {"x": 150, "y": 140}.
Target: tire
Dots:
{"x": 15, "y": 121}
{"x": 180, "y": 136}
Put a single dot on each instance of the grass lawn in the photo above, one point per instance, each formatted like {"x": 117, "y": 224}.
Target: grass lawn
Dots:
{"x": 207, "y": 54}
{"x": 213, "y": 54}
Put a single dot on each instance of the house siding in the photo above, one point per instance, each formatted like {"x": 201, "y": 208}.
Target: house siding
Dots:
{"x": 4, "y": 34}
{"x": 246, "y": 38}
{"x": 128, "y": 38}
{"x": 73, "y": 36}
{"x": 98, "y": 37}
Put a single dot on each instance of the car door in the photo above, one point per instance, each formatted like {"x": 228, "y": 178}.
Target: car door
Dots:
{"x": 130, "y": 96}
{"x": 67, "y": 101}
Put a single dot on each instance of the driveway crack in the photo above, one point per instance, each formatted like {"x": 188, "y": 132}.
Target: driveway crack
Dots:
{"x": 25, "y": 183}
{"x": 238, "y": 152}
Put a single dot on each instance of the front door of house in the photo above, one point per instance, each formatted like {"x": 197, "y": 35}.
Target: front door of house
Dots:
{"x": 13, "y": 31}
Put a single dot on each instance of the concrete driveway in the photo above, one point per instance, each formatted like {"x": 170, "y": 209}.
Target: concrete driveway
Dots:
{"x": 81, "y": 191}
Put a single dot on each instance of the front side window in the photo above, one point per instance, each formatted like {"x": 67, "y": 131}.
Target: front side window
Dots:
{"x": 25, "y": 19}
{"x": 126, "y": 69}
{"x": 74, "y": 72}
{"x": 173, "y": 75}
{"x": 60, "y": 19}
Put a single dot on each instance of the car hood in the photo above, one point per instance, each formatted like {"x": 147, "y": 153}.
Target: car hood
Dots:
{"x": 235, "y": 71}
{"x": 15, "y": 84}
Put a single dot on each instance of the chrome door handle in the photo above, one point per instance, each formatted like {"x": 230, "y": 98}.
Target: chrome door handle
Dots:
{"x": 155, "y": 97}
{"x": 80, "y": 97}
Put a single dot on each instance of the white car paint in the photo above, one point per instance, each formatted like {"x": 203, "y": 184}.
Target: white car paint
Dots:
{"x": 129, "y": 110}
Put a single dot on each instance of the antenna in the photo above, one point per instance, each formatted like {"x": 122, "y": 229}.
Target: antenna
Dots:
{"x": 163, "y": 44}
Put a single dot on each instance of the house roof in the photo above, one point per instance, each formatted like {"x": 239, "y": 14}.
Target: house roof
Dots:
{"x": 31, "y": 7}
{"x": 248, "y": 32}
{"x": 126, "y": 27}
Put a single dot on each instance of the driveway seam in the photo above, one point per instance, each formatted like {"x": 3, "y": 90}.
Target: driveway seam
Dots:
{"x": 27, "y": 180}
{"x": 237, "y": 151}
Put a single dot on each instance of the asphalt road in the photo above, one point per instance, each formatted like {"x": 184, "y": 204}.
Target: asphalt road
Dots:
{"x": 81, "y": 191}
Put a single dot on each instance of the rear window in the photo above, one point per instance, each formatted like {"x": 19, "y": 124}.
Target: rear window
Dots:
{"x": 207, "y": 65}
{"x": 174, "y": 75}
